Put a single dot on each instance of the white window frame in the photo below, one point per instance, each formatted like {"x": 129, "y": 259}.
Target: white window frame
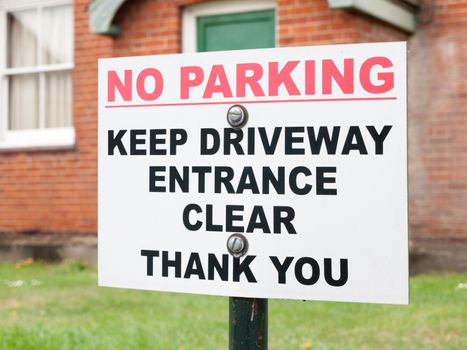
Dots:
{"x": 222, "y": 7}
{"x": 34, "y": 138}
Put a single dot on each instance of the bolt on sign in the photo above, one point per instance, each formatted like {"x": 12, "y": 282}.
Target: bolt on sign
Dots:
{"x": 310, "y": 192}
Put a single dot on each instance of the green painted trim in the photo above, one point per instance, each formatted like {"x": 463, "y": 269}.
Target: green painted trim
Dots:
{"x": 101, "y": 15}
{"x": 241, "y": 17}
{"x": 395, "y": 12}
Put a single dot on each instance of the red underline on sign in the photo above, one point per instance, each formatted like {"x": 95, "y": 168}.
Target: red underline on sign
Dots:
{"x": 246, "y": 102}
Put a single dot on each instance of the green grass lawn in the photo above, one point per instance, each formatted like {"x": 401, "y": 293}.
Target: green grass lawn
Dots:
{"x": 61, "y": 307}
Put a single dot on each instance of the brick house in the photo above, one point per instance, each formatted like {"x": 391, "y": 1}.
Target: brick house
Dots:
{"x": 48, "y": 99}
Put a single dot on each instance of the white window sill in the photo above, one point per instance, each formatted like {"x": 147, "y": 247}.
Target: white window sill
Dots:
{"x": 45, "y": 139}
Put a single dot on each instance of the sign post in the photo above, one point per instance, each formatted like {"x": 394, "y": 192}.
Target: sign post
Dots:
{"x": 256, "y": 174}
{"x": 248, "y": 324}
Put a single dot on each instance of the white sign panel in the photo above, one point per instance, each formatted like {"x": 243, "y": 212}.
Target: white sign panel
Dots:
{"x": 316, "y": 180}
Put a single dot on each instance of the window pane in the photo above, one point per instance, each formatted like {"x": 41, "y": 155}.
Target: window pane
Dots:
{"x": 24, "y": 101}
{"x": 57, "y": 39}
{"x": 58, "y": 99}
{"x": 22, "y": 38}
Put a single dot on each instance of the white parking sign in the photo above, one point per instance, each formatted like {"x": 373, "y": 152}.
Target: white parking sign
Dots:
{"x": 306, "y": 179}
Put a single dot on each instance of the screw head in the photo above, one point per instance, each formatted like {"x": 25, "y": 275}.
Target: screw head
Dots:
{"x": 237, "y": 116}
{"x": 237, "y": 245}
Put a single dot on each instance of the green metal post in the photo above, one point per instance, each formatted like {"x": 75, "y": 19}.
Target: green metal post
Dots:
{"x": 248, "y": 320}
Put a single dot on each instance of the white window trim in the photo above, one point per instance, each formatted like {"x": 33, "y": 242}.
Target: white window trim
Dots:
{"x": 11, "y": 140}
{"x": 190, "y": 13}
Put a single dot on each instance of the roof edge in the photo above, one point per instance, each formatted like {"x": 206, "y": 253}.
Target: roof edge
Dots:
{"x": 101, "y": 15}
{"x": 399, "y": 13}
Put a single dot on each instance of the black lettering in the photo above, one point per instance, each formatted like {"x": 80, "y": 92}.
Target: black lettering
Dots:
{"x": 194, "y": 267}
{"x": 258, "y": 213}
{"x": 251, "y": 141}
{"x": 230, "y": 218}
{"x": 223, "y": 175}
{"x": 248, "y": 181}
{"x": 277, "y": 182}
{"x": 379, "y": 138}
{"x": 154, "y": 141}
{"x": 244, "y": 267}
{"x": 221, "y": 269}
{"x": 178, "y": 137}
{"x": 175, "y": 177}
{"x": 293, "y": 180}
{"x": 153, "y": 178}
{"x": 344, "y": 273}
{"x": 269, "y": 147}
{"x": 176, "y": 264}
{"x": 135, "y": 141}
{"x": 290, "y": 139}
{"x": 299, "y": 271}
{"x": 233, "y": 137}
{"x": 281, "y": 268}
{"x": 359, "y": 145}
{"x": 115, "y": 141}
{"x": 323, "y": 135}
{"x": 285, "y": 220}
{"x": 186, "y": 217}
{"x": 322, "y": 179}
{"x": 201, "y": 171}
{"x": 209, "y": 220}
{"x": 150, "y": 255}
{"x": 205, "y": 150}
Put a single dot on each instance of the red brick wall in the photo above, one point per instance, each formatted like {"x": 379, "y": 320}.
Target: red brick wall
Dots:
{"x": 438, "y": 123}
{"x": 311, "y": 22}
{"x": 57, "y": 191}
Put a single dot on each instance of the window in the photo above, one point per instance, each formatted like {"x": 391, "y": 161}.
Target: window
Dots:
{"x": 36, "y": 49}
{"x": 226, "y": 25}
